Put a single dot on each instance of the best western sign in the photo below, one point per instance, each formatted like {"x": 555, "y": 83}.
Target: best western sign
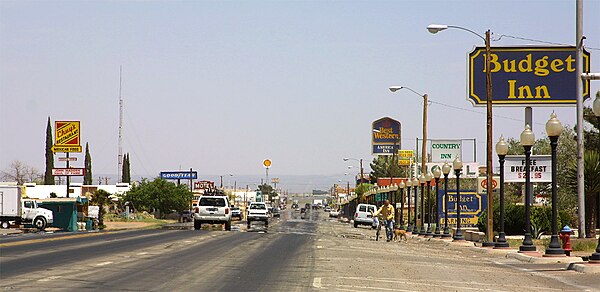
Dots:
{"x": 527, "y": 76}
{"x": 445, "y": 150}
{"x": 385, "y": 136}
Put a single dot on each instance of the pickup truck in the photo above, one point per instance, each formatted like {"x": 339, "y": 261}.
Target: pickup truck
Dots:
{"x": 14, "y": 208}
{"x": 257, "y": 211}
{"x": 212, "y": 210}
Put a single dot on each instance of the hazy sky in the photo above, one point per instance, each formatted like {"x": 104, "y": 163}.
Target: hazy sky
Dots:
{"x": 221, "y": 85}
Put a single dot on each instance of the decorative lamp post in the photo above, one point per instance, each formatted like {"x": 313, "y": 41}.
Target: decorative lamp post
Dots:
{"x": 408, "y": 184}
{"x": 595, "y": 258}
{"x": 422, "y": 182}
{"x": 527, "y": 141}
{"x": 446, "y": 169}
{"x": 415, "y": 184}
{"x": 457, "y": 165}
{"x": 437, "y": 172}
{"x": 553, "y": 129}
{"x": 401, "y": 187}
{"x": 428, "y": 178}
{"x": 501, "y": 150}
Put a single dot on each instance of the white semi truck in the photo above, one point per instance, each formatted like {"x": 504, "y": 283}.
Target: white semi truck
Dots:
{"x": 14, "y": 208}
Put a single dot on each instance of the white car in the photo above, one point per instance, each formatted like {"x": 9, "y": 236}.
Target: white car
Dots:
{"x": 258, "y": 211}
{"x": 334, "y": 213}
{"x": 363, "y": 215}
{"x": 212, "y": 210}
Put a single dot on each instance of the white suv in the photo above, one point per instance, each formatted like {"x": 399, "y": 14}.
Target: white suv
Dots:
{"x": 258, "y": 211}
{"x": 363, "y": 215}
{"x": 212, "y": 210}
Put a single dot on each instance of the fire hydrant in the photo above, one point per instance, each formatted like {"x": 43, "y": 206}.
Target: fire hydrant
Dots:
{"x": 565, "y": 236}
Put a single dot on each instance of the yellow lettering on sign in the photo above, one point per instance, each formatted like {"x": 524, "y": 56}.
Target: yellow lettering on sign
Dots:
{"x": 525, "y": 91}
{"x": 542, "y": 66}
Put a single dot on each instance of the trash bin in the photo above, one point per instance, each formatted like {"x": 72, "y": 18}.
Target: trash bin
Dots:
{"x": 88, "y": 224}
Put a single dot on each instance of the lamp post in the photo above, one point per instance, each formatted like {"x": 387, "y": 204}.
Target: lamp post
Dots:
{"x": 457, "y": 165}
{"x": 408, "y": 184}
{"x": 527, "y": 141}
{"x": 401, "y": 187}
{"x": 428, "y": 178}
{"x": 415, "y": 183}
{"x": 446, "y": 168}
{"x": 553, "y": 129}
{"x": 435, "y": 28}
{"x": 501, "y": 150}
{"x": 595, "y": 258}
{"x": 222, "y": 179}
{"x": 424, "y": 144}
{"x": 422, "y": 182}
{"x": 360, "y": 162}
{"x": 436, "y": 174}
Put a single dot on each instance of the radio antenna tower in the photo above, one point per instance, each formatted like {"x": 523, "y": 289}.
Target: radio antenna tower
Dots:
{"x": 120, "y": 157}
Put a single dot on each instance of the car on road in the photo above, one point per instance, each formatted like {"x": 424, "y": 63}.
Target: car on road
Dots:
{"x": 364, "y": 215}
{"x": 327, "y": 209}
{"x": 257, "y": 211}
{"x": 276, "y": 212}
{"x": 236, "y": 213}
{"x": 212, "y": 210}
{"x": 334, "y": 213}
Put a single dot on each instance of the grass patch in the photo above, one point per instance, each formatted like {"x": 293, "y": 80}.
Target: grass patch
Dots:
{"x": 138, "y": 217}
{"x": 584, "y": 244}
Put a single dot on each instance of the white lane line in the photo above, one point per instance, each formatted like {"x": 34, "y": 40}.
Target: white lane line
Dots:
{"x": 142, "y": 253}
{"x": 319, "y": 247}
{"x": 49, "y": 278}
{"x": 317, "y": 283}
{"x": 103, "y": 264}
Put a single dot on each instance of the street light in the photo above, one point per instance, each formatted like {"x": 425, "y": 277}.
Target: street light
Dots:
{"x": 527, "y": 140}
{"x": 457, "y": 165}
{"x": 422, "y": 182}
{"x": 595, "y": 258}
{"x": 435, "y": 28}
{"x": 222, "y": 179}
{"x": 428, "y": 178}
{"x": 446, "y": 168}
{"x": 437, "y": 173}
{"x": 415, "y": 183}
{"x": 401, "y": 186}
{"x": 408, "y": 185}
{"x": 501, "y": 150}
{"x": 553, "y": 129}
{"x": 360, "y": 161}
{"x": 424, "y": 144}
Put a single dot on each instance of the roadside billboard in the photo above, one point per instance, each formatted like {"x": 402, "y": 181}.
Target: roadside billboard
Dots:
{"x": 472, "y": 205}
{"x": 527, "y": 76}
{"x": 445, "y": 150}
{"x": 540, "y": 168}
{"x": 66, "y": 136}
{"x": 385, "y": 136}
{"x": 469, "y": 170}
{"x": 178, "y": 175}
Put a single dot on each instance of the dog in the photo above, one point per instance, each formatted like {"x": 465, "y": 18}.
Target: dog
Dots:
{"x": 400, "y": 234}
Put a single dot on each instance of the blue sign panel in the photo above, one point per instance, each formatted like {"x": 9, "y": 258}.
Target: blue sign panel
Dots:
{"x": 385, "y": 136}
{"x": 385, "y": 149}
{"x": 179, "y": 175}
{"x": 527, "y": 76}
{"x": 472, "y": 205}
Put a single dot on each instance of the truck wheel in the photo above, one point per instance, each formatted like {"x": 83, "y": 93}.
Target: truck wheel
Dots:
{"x": 355, "y": 224}
{"x": 39, "y": 223}
{"x": 197, "y": 225}
{"x": 267, "y": 223}
{"x": 248, "y": 224}
{"x": 5, "y": 225}
{"x": 228, "y": 225}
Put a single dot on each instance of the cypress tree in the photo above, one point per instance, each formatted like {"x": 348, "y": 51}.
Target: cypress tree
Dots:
{"x": 87, "y": 179}
{"x": 48, "y": 177}
{"x": 126, "y": 169}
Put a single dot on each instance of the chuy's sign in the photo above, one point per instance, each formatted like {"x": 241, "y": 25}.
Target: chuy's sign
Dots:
{"x": 527, "y": 76}
{"x": 445, "y": 150}
{"x": 540, "y": 171}
{"x": 385, "y": 136}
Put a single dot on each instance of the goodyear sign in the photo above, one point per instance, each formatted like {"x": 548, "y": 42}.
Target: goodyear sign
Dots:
{"x": 471, "y": 206}
{"x": 527, "y": 76}
{"x": 67, "y": 136}
{"x": 178, "y": 175}
{"x": 385, "y": 136}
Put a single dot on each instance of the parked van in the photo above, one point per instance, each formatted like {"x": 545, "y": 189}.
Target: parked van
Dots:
{"x": 364, "y": 215}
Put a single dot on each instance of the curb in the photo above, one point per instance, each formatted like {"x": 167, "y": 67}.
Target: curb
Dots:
{"x": 585, "y": 268}
{"x": 536, "y": 258}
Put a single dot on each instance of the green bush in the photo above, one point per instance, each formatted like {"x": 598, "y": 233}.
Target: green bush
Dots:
{"x": 514, "y": 220}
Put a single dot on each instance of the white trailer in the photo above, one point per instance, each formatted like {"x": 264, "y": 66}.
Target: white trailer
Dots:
{"x": 14, "y": 208}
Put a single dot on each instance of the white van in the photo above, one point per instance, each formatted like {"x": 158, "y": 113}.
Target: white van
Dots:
{"x": 363, "y": 215}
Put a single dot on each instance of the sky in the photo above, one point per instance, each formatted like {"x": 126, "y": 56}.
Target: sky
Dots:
{"x": 220, "y": 86}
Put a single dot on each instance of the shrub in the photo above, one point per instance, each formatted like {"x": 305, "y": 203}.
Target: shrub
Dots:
{"x": 514, "y": 220}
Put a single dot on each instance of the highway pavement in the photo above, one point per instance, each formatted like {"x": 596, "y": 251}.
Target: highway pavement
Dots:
{"x": 292, "y": 254}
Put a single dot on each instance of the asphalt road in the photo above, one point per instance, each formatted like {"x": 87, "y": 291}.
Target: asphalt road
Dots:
{"x": 292, "y": 254}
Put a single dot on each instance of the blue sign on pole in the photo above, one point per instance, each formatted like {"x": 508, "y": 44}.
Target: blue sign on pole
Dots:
{"x": 472, "y": 206}
{"x": 527, "y": 76}
{"x": 179, "y": 175}
{"x": 385, "y": 136}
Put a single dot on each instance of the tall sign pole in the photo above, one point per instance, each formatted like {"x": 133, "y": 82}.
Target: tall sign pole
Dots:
{"x": 120, "y": 157}
{"x": 579, "y": 95}
{"x": 489, "y": 165}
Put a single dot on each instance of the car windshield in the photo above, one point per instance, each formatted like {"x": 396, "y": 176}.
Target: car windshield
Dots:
{"x": 362, "y": 208}
{"x": 215, "y": 202}
{"x": 235, "y": 208}
{"x": 258, "y": 207}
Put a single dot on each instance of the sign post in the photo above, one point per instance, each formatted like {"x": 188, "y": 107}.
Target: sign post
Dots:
{"x": 68, "y": 140}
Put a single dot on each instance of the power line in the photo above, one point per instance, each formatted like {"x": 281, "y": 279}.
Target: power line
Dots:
{"x": 539, "y": 41}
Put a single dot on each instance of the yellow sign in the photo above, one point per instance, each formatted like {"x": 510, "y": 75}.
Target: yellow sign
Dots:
{"x": 67, "y": 134}
{"x": 406, "y": 153}
{"x": 57, "y": 148}
{"x": 404, "y": 162}
{"x": 267, "y": 163}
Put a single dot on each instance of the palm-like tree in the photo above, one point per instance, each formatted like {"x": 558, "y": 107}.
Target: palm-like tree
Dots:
{"x": 591, "y": 169}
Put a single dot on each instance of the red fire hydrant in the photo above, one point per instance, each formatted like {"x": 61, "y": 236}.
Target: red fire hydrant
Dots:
{"x": 565, "y": 236}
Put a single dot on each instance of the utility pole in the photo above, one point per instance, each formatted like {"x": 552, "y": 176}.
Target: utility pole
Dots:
{"x": 579, "y": 95}
{"x": 120, "y": 156}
